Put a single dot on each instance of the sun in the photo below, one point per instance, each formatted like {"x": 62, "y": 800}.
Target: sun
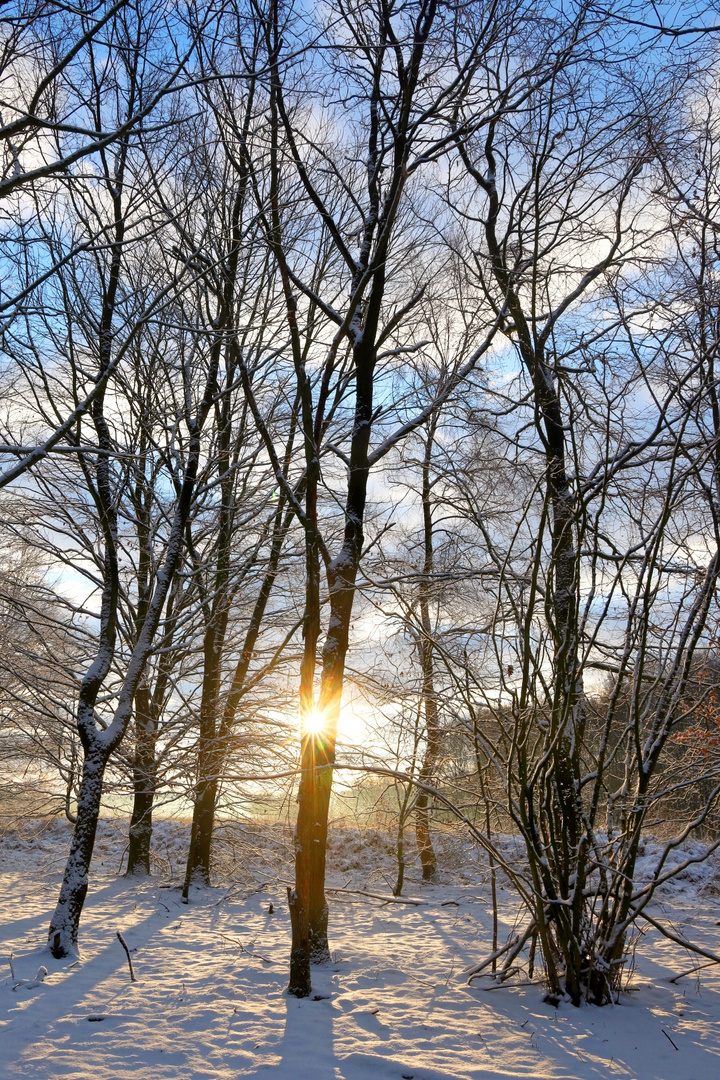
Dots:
{"x": 313, "y": 723}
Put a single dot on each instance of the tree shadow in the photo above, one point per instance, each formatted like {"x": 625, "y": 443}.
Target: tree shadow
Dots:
{"x": 68, "y": 983}
{"x": 308, "y": 1034}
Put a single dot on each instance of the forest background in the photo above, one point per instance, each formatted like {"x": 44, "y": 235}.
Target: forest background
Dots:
{"x": 361, "y": 442}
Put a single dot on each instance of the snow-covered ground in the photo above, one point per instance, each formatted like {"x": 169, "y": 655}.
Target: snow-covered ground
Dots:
{"x": 210, "y": 1002}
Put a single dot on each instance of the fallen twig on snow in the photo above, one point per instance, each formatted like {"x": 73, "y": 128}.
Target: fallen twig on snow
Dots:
{"x": 123, "y": 942}
{"x": 509, "y": 985}
{"x": 472, "y": 972}
{"x": 692, "y": 970}
{"x": 512, "y": 948}
{"x": 243, "y": 949}
{"x": 377, "y": 896}
{"x": 668, "y": 1037}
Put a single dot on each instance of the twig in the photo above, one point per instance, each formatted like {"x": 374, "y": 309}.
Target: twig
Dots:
{"x": 509, "y": 985}
{"x": 667, "y": 1037}
{"x": 679, "y": 939}
{"x": 513, "y": 948}
{"x": 472, "y": 972}
{"x": 249, "y": 951}
{"x": 376, "y": 896}
{"x": 123, "y": 942}
{"x": 692, "y": 970}
{"x": 223, "y": 898}
{"x": 12, "y": 969}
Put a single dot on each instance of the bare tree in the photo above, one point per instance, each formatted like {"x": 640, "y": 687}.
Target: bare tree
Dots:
{"x": 393, "y": 66}
{"x": 55, "y": 113}
{"x": 249, "y": 337}
{"x": 564, "y": 215}
{"x": 125, "y": 178}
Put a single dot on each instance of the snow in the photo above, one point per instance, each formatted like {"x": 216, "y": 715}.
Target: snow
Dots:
{"x": 210, "y": 1004}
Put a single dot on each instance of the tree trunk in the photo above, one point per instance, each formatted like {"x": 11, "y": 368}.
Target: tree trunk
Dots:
{"x": 213, "y": 753}
{"x": 100, "y": 744}
{"x": 148, "y": 709}
{"x": 144, "y": 783}
{"x": 299, "y": 985}
{"x": 361, "y": 329}
{"x": 211, "y": 748}
{"x": 560, "y": 853}
{"x": 432, "y": 732}
{"x": 63, "y": 932}
{"x": 318, "y": 747}
{"x": 319, "y": 752}
{"x": 197, "y": 870}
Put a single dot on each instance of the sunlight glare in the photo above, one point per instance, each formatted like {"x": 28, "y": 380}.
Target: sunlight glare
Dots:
{"x": 313, "y": 723}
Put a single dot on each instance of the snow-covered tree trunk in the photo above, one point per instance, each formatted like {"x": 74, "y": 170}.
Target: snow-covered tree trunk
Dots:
{"x": 63, "y": 932}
